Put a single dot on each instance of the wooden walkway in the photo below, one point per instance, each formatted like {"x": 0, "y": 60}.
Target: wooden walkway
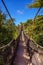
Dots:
{"x": 22, "y": 57}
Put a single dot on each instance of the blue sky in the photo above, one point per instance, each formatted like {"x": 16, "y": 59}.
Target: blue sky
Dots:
{"x": 18, "y": 10}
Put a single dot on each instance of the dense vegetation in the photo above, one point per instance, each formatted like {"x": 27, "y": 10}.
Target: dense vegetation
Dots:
{"x": 8, "y": 29}
{"x": 34, "y": 29}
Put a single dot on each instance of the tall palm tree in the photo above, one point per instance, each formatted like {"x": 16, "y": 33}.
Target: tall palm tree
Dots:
{"x": 36, "y": 4}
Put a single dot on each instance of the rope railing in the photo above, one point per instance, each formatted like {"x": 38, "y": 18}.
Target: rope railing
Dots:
{"x": 6, "y": 45}
{"x": 34, "y": 46}
{"x": 37, "y": 44}
{"x": 9, "y": 51}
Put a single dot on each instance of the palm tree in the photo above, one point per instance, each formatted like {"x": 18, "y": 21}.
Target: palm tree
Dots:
{"x": 36, "y": 4}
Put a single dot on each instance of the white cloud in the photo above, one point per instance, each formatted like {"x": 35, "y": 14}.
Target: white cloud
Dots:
{"x": 19, "y": 11}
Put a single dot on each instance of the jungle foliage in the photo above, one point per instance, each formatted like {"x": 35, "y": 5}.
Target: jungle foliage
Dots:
{"x": 34, "y": 29}
{"x": 8, "y": 29}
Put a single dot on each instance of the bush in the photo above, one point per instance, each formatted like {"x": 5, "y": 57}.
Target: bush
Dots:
{"x": 5, "y": 36}
{"x": 38, "y": 38}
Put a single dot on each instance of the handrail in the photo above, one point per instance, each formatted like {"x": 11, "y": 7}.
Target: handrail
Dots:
{"x": 6, "y": 45}
{"x": 36, "y": 44}
{"x": 38, "y": 47}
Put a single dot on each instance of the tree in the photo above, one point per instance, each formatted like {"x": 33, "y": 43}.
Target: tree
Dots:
{"x": 36, "y": 4}
{"x": 10, "y": 23}
{"x": 2, "y": 18}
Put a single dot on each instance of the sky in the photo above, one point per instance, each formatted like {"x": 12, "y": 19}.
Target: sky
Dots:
{"x": 18, "y": 10}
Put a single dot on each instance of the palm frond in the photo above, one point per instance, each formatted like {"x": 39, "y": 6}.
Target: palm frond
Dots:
{"x": 35, "y": 5}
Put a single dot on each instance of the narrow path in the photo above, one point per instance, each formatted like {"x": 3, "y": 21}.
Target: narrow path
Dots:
{"x": 22, "y": 57}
